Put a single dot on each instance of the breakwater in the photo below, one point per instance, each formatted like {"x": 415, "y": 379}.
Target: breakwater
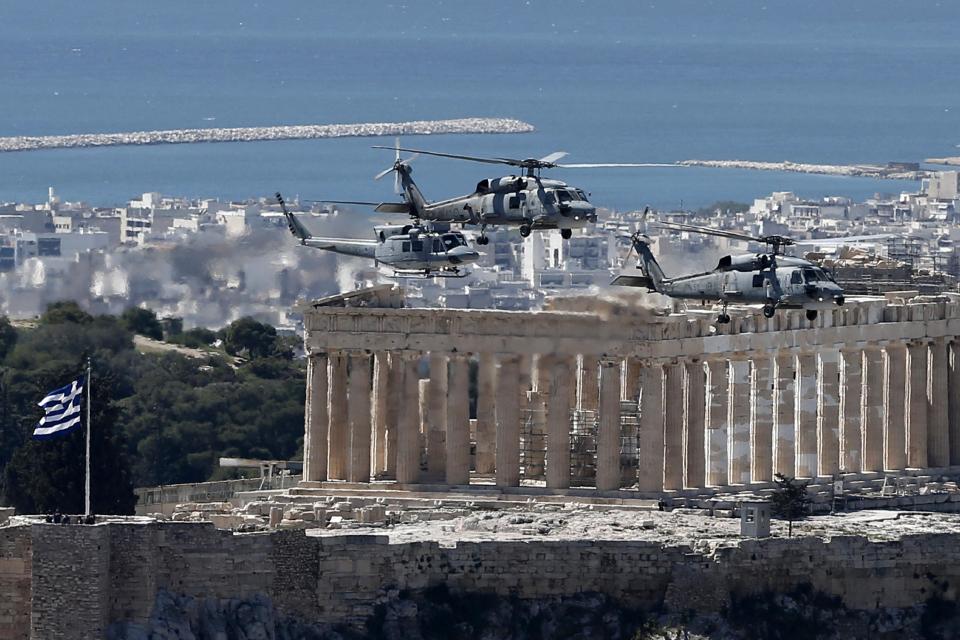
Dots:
{"x": 254, "y": 134}
{"x": 856, "y": 171}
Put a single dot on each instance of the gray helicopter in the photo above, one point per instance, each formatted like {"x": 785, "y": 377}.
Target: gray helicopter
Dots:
{"x": 772, "y": 279}
{"x": 528, "y": 201}
{"x": 410, "y": 250}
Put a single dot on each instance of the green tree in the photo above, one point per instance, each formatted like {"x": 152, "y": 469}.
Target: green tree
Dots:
{"x": 8, "y": 336}
{"x": 195, "y": 338}
{"x": 143, "y": 322}
{"x": 257, "y": 339}
{"x": 66, "y": 311}
{"x": 790, "y": 500}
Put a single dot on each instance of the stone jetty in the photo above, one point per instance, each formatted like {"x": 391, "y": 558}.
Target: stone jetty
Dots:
{"x": 252, "y": 134}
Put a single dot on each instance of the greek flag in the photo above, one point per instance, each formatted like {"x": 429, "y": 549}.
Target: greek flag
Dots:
{"x": 63, "y": 410}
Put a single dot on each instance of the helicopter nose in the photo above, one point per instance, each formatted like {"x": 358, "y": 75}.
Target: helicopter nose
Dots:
{"x": 462, "y": 255}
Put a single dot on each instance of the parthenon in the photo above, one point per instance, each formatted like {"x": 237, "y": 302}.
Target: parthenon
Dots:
{"x": 604, "y": 394}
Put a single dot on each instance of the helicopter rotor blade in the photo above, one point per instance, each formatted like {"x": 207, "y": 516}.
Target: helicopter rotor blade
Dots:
{"x": 616, "y": 165}
{"x": 383, "y": 173}
{"x": 673, "y": 226}
{"x": 450, "y": 155}
{"x": 553, "y": 157}
{"x": 357, "y": 202}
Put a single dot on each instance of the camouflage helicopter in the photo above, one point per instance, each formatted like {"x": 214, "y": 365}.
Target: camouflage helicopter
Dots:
{"x": 528, "y": 201}
{"x": 410, "y": 250}
{"x": 772, "y": 279}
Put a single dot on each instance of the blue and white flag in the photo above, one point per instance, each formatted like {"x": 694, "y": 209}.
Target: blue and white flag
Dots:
{"x": 63, "y": 410}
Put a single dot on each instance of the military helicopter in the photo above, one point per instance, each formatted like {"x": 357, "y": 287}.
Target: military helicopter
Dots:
{"x": 772, "y": 279}
{"x": 410, "y": 250}
{"x": 528, "y": 201}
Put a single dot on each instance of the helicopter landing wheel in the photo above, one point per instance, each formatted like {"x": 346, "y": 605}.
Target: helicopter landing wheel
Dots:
{"x": 769, "y": 310}
{"x": 811, "y": 314}
{"x": 566, "y": 234}
{"x": 524, "y": 230}
{"x": 723, "y": 318}
{"x": 483, "y": 240}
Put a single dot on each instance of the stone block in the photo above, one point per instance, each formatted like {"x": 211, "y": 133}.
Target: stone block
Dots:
{"x": 225, "y": 521}
{"x": 276, "y": 514}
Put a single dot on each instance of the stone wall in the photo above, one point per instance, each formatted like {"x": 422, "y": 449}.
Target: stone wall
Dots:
{"x": 15, "y": 583}
{"x": 86, "y": 577}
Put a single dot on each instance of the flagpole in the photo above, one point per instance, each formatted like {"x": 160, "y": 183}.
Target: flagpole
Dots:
{"x": 89, "y": 396}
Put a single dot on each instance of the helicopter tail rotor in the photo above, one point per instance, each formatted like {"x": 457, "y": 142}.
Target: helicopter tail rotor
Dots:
{"x": 396, "y": 168}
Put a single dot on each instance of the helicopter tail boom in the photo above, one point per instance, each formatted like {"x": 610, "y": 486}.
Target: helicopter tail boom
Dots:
{"x": 296, "y": 227}
{"x": 654, "y": 278}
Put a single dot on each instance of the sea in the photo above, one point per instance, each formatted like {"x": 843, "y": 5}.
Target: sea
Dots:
{"x": 858, "y": 81}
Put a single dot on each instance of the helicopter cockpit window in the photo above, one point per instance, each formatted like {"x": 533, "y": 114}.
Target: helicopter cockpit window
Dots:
{"x": 822, "y": 275}
{"x": 582, "y": 195}
{"x": 796, "y": 278}
{"x": 809, "y": 275}
{"x": 564, "y": 196}
{"x": 437, "y": 246}
{"x": 450, "y": 240}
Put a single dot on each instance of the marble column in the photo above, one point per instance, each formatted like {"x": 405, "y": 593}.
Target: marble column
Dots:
{"x": 916, "y": 402}
{"x": 938, "y": 405}
{"x": 851, "y": 409}
{"x": 694, "y": 423}
{"x": 874, "y": 394}
{"x": 558, "y": 390}
{"x": 396, "y": 402}
{"x": 408, "y": 425}
{"x": 738, "y": 419}
{"x": 894, "y": 424}
{"x": 716, "y": 418}
{"x": 828, "y": 412}
{"x": 631, "y": 379}
{"x": 507, "y": 411}
{"x": 317, "y": 421}
{"x": 588, "y": 394}
{"x": 339, "y": 440}
{"x": 650, "y": 440}
{"x": 673, "y": 398}
{"x": 458, "y": 422}
{"x": 359, "y": 412}
{"x": 784, "y": 402}
{"x": 381, "y": 380}
{"x": 437, "y": 418}
{"x": 608, "y": 435}
{"x": 806, "y": 415}
{"x": 423, "y": 403}
{"x": 953, "y": 382}
{"x": 761, "y": 420}
{"x": 486, "y": 417}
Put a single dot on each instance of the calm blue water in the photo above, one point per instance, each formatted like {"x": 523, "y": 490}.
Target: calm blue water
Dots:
{"x": 858, "y": 81}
